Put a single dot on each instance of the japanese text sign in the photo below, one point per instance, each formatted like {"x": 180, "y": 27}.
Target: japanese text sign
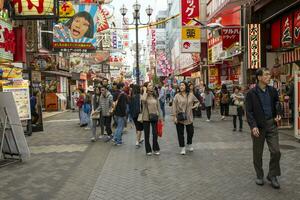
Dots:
{"x": 7, "y": 41}
{"x": 287, "y": 31}
{"x": 190, "y": 37}
{"x": 297, "y": 27}
{"x": 254, "y": 46}
{"x": 230, "y": 36}
{"x": 189, "y": 9}
{"x": 34, "y": 8}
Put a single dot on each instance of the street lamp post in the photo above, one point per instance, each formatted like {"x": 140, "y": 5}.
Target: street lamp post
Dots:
{"x": 136, "y": 22}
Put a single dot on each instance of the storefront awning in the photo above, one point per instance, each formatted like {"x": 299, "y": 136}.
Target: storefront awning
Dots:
{"x": 189, "y": 71}
{"x": 58, "y": 73}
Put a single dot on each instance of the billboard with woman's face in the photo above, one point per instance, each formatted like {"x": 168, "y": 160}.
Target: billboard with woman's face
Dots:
{"x": 77, "y": 32}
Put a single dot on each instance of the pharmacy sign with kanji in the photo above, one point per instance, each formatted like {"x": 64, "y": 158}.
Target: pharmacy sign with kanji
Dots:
{"x": 190, "y": 39}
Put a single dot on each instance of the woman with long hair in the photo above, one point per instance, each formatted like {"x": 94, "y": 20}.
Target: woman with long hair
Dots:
{"x": 135, "y": 110}
{"x": 183, "y": 105}
{"x": 150, "y": 116}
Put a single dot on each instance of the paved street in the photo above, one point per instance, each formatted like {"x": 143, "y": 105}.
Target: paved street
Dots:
{"x": 66, "y": 165}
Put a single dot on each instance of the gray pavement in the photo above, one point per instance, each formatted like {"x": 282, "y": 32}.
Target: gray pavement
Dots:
{"x": 65, "y": 165}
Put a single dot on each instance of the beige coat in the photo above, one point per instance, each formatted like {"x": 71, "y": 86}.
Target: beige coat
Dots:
{"x": 182, "y": 103}
{"x": 150, "y": 105}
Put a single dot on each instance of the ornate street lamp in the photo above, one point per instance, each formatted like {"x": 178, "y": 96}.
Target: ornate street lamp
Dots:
{"x": 136, "y": 21}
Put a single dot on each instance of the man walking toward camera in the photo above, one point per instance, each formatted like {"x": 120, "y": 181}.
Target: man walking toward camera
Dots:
{"x": 263, "y": 112}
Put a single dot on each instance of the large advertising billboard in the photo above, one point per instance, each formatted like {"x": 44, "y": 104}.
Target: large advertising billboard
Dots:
{"x": 77, "y": 33}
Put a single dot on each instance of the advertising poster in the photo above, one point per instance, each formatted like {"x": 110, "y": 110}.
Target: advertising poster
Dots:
{"x": 20, "y": 91}
{"x": 297, "y": 105}
{"x": 78, "y": 32}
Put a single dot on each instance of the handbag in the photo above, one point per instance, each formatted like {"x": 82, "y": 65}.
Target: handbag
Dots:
{"x": 159, "y": 128}
{"x": 140, "y": 117}
{"x": 182, "y": 116}
{"x": 233, "y": 110}
{"x": 96, "y": 115}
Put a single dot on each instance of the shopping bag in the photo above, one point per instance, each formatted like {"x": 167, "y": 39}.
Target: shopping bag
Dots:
{"x": 233, "y": 110}
{"x": 159, "y": 128}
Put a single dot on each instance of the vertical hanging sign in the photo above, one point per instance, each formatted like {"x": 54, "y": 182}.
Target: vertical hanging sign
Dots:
{"x": 254, "y": 46}
{"x": 190, "y": 33}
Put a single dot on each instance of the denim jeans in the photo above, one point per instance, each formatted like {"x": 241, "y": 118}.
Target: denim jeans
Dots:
{"x": 119, "y": 129}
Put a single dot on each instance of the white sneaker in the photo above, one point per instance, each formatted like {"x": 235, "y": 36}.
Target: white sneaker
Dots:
{"x": 182, "y": 152}
{"x": 149, "y": 154}
{"x": 157, "y": 153}
{"x": 208, "y": 120}
{"x": 190, "y": 148}
{"x": 87, "y": 128}
{"x": 93, "y": 139}
{"x": 101, "y": 137}
{"x": 223, "y": 117}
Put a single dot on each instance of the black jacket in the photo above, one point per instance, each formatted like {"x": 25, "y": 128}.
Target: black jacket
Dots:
{"x": 254, "y": 110}
{"x": 135, "y": 106}
{"x": 121, "y": 105}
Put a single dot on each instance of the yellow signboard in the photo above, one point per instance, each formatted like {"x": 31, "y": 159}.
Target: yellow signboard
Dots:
{"x": 190, "y": 33}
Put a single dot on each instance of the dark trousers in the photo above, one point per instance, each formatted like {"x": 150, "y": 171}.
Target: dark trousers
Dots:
{"x": 146, "y": 126}
{"x": 107, "y": 124}
{"x": 270, "y": 134}
{"x": 224, "y": 109}
{"x": 180, "y": 133}
{"x": 162, "y": 107}
{"x": 240, "y": 120}
{"x": 208, "y": 112}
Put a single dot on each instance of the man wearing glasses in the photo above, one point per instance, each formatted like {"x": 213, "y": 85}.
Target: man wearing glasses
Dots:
{"x": 263, "y": 113}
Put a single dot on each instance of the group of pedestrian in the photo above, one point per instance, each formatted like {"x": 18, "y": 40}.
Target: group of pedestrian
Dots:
{"x": 145, "y": 105}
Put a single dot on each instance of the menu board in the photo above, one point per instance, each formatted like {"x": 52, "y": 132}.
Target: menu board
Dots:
{"x": 20, "y": 91}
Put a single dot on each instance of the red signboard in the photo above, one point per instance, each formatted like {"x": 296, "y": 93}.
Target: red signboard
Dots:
{"x": 230, "y": 36}
{"x": 189, "y": 9}
{"x": 275, "y": 36}
{"x": 20, "y": 55}
{"x": 297, "y": 27}
{"x": 287, "y": 31}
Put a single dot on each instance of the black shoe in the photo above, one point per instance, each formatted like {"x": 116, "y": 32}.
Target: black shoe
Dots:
{"x": 241, "y": 130}
{"x": 234, "y": 129}
{"x": 274, "y": 182}
{"x": 260, "y": 181}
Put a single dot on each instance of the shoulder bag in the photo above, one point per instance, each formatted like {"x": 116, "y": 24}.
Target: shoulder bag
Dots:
{"x": 182, "y": 116}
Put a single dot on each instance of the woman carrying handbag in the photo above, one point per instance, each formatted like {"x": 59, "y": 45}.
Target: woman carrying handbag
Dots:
{"x": 150, "y": 116}
{"x": 237, "y": 99}
{"x": 183, "y": 105}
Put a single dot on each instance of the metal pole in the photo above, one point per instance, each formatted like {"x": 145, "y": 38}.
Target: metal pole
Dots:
{"x": 244, "y": 64}
{"x": 137, "y": 51}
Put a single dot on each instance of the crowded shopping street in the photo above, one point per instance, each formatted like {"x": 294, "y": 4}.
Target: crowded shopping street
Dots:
{"x": 66, "y": 165}
{"x": 149, "y": 99}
